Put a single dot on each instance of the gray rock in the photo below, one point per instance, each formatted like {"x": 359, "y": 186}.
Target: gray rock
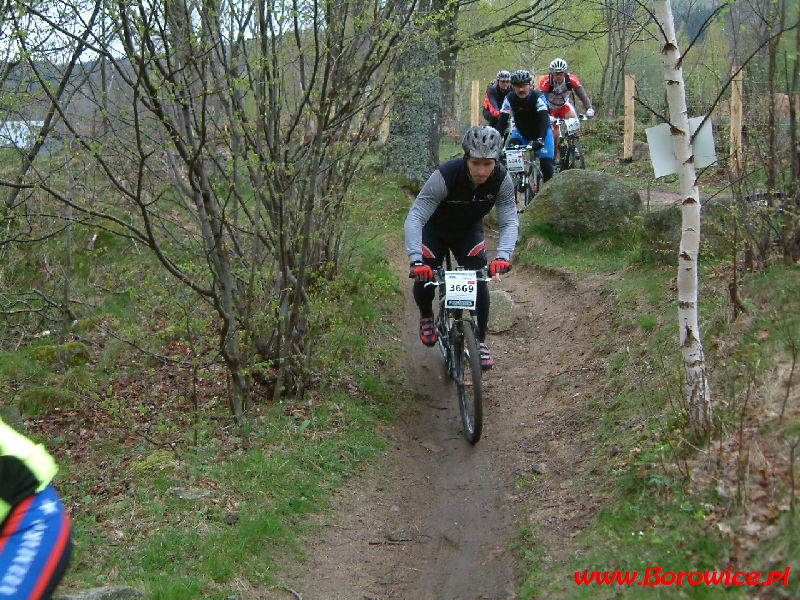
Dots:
{"x": 189, "y": 493}
{"x": 116, "y": 592}
{"x": 501, "y": 311}
{"x": 579, "y": 202}
{"x": 539, "y": 468}
{"x": 661, "y": 230}
{"x": 640, "y": 150}
{"x": 12, "y": 417}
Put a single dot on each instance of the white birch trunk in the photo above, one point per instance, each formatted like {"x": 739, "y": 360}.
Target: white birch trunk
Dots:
{"x": 697, "y": 391}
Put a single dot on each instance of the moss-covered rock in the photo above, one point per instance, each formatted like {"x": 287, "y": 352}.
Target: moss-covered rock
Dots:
{"x": 156, "y": 461}
{"x": 71, "y": 353}
{"x": 91, "y": 323}
{"x": 661, "y": 234}
{"x": 579, "y": 202}
{"x": 661, "y": 231}
{"x": 42, "y": 400}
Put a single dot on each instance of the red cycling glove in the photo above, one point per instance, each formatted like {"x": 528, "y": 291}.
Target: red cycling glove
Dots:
{"x": 499, "y": 265}
{"x": 420, "y": 271}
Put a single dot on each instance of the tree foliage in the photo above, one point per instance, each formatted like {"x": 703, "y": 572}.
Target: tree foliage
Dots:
{"x": 225, "y": 138}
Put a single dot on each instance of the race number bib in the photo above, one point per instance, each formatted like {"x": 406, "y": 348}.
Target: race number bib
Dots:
{"x": 461, "y": 289}
{"x": 515, "y": 161}
{"x": 572, "y": 125}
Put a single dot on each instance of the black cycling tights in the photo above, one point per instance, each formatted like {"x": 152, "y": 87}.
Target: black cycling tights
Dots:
{"x": 547, "y": 167}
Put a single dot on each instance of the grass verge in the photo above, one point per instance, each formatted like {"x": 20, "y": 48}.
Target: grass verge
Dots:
{"x": 166, "y": 492}
{"x": 716, "y": 506}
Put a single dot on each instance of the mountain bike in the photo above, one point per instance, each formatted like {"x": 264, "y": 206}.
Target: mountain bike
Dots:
{"x": 523, "y": 165}
{"x": 570, "y": 152}
{"x": 458, "y": 341}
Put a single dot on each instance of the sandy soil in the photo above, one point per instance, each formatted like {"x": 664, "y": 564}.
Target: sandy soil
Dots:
{"x": 440, "y": 518}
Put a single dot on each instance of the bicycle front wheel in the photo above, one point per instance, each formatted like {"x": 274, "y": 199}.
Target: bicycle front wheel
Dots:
{"x": 469, "y": 381}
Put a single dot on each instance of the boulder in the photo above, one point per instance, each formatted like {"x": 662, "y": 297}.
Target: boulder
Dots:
{"x": 661, "y": 233}
{"x": 116, "y": 592}
{"x": 578, "y": 202}
{"x": 12, "y": 417}
{"x": 661, "y": 230}
{"x": 501, "y": 311}
{"x": 641, "y": 150}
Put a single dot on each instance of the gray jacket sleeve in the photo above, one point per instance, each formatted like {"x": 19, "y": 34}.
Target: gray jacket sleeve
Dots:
{"x": 507, "y": 217}
{"x": 428, "y": 199}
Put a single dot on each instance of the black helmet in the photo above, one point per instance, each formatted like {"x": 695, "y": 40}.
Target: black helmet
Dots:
{"x": 521, "y": 76}
{"x": 503, "y": 75}
{"x": 482, "y": 142}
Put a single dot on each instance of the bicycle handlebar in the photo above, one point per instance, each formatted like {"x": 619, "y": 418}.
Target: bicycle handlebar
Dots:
{"x": 526, "y": 148}
{"x": 517, "y": 147}
{"x": 438, "y": 275}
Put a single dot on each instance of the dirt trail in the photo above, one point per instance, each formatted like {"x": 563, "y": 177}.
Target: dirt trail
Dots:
{"x": 439, "y": 520}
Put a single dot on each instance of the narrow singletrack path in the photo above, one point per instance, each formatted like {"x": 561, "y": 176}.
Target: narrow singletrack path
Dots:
{"x": 439, "y": 520}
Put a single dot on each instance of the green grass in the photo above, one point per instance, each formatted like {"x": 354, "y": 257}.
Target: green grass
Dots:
{"x": 249, "y": 522}
{"x": 258, "y": 484}
{"x": 540, "y": 245}
{"x": 655, "y": 517}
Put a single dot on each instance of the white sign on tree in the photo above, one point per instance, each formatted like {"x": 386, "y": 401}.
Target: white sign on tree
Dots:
{"x": 662, "y": 152}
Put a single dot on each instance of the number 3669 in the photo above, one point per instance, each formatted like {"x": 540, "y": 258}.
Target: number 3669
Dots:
{"x": 456, "y": 287}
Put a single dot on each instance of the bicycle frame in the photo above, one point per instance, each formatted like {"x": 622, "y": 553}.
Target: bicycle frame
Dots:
{"x": 569, "y": 147}
{"x": 448, "y": 319}
{"x": 521, "y": 163}
{"x": 457, "y": 336}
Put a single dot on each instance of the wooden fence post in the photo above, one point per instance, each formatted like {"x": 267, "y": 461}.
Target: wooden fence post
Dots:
{"x": 476, "y": 103}
{"x": 627, "y": 140}
{"x": 736, "y": 121}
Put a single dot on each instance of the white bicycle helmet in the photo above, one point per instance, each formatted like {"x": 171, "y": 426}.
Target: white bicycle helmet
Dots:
{"x": 559, "y": 65}
{"x": 482, "y": 142}
{"x": 503, "y": 75}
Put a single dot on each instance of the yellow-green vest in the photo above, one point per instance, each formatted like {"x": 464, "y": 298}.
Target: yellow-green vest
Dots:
{"x": 32, "y": 455}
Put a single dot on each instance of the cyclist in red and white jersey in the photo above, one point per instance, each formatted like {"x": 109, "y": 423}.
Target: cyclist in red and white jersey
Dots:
{"x": 496, "y": 92}
{"x": 558, "y": 85}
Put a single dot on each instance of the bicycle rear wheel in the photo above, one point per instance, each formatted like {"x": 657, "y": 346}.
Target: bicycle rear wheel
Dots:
{"x": 534, "y": 183}
{"x": 529, "y": 193}
{"x": 576, "y": 155}
{"x": 563, "y": 157}
{"x": 469, "y": 381}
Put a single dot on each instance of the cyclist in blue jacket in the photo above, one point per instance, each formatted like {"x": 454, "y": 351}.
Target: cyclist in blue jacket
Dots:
{"x": 531, "y": 119}
{"x": 448, "y": 215}
{"x": 35, "y": 535}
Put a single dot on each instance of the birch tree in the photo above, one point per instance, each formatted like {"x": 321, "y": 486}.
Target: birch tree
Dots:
{"x": 697, "y": 391}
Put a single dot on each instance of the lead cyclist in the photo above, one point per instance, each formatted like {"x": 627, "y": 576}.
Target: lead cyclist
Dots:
{"x": 558, "y": 86}
{"x": 447, "y": 215}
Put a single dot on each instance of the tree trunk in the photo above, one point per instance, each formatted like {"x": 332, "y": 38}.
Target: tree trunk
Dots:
{"x": 697, "y": 390}
{"x": 447, "y": 26}
{"x": 413, "y": 143}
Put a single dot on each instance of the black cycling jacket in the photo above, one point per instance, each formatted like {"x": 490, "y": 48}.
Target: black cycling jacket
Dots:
{"x": 530, "y": 117}
{"x": 452, "y": 203}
